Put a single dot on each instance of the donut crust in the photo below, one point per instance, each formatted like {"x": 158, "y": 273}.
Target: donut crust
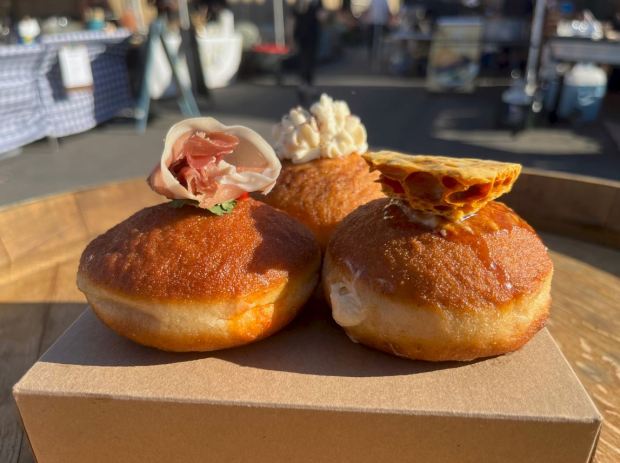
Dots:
{"x": 183, "y": 279}
{"x": 322, "y": 192}
{"x": 478, "y": 288}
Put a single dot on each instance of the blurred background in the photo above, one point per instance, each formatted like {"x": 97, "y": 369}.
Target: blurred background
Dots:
{"x": 88, "y": 88}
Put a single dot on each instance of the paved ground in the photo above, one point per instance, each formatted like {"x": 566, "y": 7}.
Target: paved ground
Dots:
{"x": 398, "y": 113}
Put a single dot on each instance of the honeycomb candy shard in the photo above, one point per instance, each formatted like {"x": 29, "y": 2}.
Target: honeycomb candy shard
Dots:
{"x": 449, "y": 187}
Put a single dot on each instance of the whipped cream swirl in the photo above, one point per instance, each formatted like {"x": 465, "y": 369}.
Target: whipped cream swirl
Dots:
{"x": 328, "y": 130}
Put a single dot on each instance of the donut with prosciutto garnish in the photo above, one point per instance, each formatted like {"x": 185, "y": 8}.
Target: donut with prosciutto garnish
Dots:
{"x": 213, "y": 268}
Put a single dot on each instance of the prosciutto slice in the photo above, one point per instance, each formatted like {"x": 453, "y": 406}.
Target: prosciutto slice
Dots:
{"x": 206, "y": 161}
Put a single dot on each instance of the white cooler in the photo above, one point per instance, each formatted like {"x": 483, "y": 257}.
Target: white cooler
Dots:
{"x": 584, "y": 89}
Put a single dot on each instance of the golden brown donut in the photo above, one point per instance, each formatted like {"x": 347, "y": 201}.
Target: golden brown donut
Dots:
{"x": 477, "y": 288}
{"x": 183, "y": 279}
{"x": 322, "y": 192}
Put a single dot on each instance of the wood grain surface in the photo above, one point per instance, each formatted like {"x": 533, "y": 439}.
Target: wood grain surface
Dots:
{"x": 585, "y": 322}
{"x": 39, "y": 299}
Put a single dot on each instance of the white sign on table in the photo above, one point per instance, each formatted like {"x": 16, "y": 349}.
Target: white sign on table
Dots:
{"x": 75, "y": 67}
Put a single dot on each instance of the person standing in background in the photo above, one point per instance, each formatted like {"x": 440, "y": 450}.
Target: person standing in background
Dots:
{"x": 306, "y": 34}
{"x": 377, "y": 18}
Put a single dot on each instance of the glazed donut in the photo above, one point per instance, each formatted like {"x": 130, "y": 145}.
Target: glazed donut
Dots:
{"x": 469, "y": 289}
{"x": 320, "y": 193}
{"x": 184, "y": 279}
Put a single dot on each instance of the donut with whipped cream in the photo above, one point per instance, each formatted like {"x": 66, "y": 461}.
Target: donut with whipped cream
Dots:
{"x": 323, "y": 175}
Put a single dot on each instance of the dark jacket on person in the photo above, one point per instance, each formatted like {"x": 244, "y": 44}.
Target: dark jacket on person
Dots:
{"x": 306, "y": 32}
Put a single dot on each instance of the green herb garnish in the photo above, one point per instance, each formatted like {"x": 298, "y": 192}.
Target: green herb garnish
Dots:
{"x": 219, "y": 209}
{"x": 223, "y": 208}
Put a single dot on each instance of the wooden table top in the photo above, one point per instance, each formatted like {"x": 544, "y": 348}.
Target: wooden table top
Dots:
{"x": 39, "y": 298}
{"x": 37, "y": 308}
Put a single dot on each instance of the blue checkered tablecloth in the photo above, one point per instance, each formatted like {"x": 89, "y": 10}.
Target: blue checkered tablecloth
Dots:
{"x": 75, "y": 111}
{"x": 21, "y": 117}
{"x": 33, "y": 100}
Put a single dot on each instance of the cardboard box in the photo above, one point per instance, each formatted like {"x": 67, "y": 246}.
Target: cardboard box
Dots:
{"x": 307, "y": 394}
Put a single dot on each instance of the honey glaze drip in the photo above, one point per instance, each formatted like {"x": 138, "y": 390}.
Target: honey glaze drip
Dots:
{"x": 479, "y": 245}
{"x": 473, "y": 237}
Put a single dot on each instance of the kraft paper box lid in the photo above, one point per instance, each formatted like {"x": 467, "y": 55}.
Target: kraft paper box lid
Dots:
{"x": 306, "y": 394}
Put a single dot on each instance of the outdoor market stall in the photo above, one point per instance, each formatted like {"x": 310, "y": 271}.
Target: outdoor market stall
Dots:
{"x": 34, "y": 100}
